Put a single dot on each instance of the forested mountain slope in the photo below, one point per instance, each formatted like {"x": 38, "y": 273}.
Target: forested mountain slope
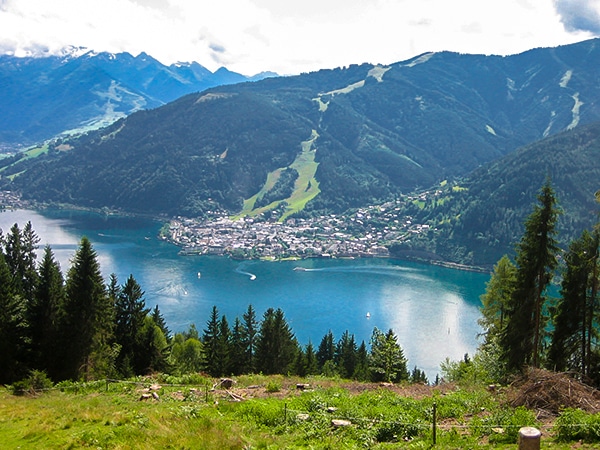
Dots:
{"x": 483, "y": 220}
{"x": 373, "y": 132}
{"x": 44, "y": 96}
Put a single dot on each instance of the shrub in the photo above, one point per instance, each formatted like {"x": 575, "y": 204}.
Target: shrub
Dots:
{"x": 273, "y": 386}
{"x": 36, "y": 382}
{"x": 575, "y": 424}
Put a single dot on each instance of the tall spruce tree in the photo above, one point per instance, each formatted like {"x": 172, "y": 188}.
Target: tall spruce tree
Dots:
{"x": 345, "y": 355}
{"x": 159, "y": 320}
{"x": 238, "y": 353}
{"x": 43, "y": 314}
{"x": 575, "y": 319}
{"x": 20, "y": 250}
{"x": 87, "y": 318}
{"x": 536, "y": 260}
{"x": 326, "y": 350}
{"x": 211, "y": 342}
{"x": 248, "y": 340}
{"x": 13, "y": 332}
{"x": 130, "y": 317}
{"x": 276, "y": 346}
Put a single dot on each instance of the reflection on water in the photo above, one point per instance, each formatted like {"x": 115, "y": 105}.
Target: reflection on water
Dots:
{"x": 433, "y": 310}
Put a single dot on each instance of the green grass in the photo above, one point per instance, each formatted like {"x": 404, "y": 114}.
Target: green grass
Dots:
{"x": 306, "y": 186}
{"x": 111, "y": 416}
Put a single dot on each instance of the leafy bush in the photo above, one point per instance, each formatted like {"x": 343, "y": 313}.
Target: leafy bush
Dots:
{"x": 575, "y": 424}
{"x": 273, "y": 386}
{"x": 503, "y": 426}
{"x": 36, "y": 382}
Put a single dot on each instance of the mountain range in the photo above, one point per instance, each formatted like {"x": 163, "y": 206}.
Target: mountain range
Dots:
{"x": 343, "y": 138}
{"x": 79, "y": 90}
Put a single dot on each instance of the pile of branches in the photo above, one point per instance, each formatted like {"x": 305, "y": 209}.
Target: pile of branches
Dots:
{"x": 549, "y": 392}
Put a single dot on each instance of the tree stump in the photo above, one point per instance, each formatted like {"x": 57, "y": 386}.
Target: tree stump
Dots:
{"x": 529, "y": 438}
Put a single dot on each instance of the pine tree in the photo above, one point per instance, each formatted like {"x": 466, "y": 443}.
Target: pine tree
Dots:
{"x": 248, "y": 337}
{"x": 521, "y": 340}
{"x": 224, "y": 348}
{"x": 345, "y": 355}
{"x": 326, "y": 350}
{"x": 43, "y": 314}
{"x": 20, "y": 251}
{"x": 276, "y": 346}
{"x": 159, "y": 320}
{"x": 575, "y": 319}
{"x": 87, "y": 318}
{"x": 13, "y": 333}
{"x": 387, "y": 357}
{"x": 130, "y": 317}
{"x": 361, "y": 370}
{"x": 210, "y": 342}
{"x": 312, "y": 367}
{"x": 238, "y": 348}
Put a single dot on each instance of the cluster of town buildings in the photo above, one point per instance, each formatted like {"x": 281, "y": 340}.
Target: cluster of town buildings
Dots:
{"x": 9, "y": 199}
{"x": 364, "y": 233}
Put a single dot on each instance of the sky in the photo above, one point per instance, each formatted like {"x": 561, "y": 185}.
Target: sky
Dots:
{"x": 293, "y": 36}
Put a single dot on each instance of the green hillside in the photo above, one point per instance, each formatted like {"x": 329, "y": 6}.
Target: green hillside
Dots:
{"x": 481, "y": 217}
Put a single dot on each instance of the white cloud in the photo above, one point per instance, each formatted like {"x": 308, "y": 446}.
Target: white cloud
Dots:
{"x": 289, "y": 36}
{"x": 579, "y": 15}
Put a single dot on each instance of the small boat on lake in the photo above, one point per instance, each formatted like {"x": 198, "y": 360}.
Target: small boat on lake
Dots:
{"x": 368, "y": 316}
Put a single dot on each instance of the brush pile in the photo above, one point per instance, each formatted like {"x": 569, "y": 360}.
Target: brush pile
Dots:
{"x": 549, "y": 392}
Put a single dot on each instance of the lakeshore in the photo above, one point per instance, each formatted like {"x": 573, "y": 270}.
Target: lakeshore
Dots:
{"x": 364, "y": 233}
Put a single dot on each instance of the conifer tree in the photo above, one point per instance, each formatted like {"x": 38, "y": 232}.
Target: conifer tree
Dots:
{"x": 276, "y": 345}
{"x": 345, "y": 355}
{"x": 88, "y": 317}
{"x": 238, "y": 350}
{"x": 130, "y": 317}
{"x": 224, "y": 348}
{"x": 361, "y": 370}
{"x": 310, "y": 357}
{"x": 43, "y": 314}
{"x": 326, "y": 350}
{"x": 387, "y": 357}
{"x": 248, "y": 339}
{"x": 13, "y": 333}
{"x": 575, "y": 319}
{"x": 210, "y": 342}
{"x": 495, "y": 300}
{"x": 536, "y": 260}
{"x": 20, "y": 251}
{"x": 159, "y": 320}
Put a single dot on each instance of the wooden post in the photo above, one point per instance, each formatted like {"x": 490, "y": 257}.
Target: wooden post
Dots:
{"x": 529, "y": 438}
{"x": 434, "y": 423}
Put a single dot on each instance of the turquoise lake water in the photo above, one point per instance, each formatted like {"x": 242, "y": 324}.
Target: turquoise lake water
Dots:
{"x": 433, "y": 310}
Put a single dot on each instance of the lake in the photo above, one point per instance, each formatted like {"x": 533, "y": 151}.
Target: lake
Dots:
{"x": 433, "y": 310}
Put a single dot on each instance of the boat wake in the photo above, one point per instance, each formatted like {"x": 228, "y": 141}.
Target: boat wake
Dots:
{"x": 371, "y": 270}
{"x": 241, "y": 271}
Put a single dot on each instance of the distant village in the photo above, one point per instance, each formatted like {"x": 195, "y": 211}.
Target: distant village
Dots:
{"x": 364, "y": 233}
